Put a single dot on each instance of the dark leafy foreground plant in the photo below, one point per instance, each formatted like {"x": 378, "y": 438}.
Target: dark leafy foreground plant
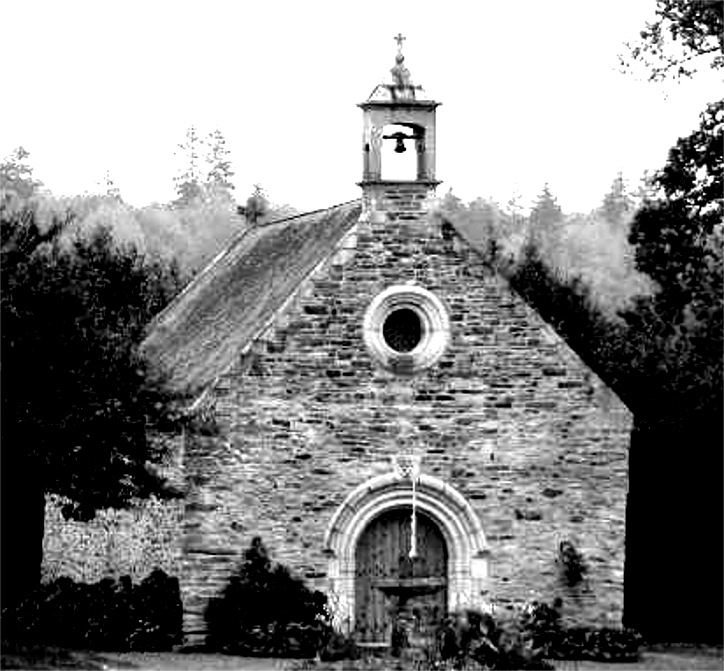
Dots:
{"x": 472, "y": 637}
{"x": 107, "y": 615}
{"x": 526, "y": 642}
{"x": 265, "y": 611}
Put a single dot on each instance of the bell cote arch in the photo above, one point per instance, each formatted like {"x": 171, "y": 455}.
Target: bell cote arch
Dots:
{"x": 418, "y": 117}
{"x": 443, "y": 504}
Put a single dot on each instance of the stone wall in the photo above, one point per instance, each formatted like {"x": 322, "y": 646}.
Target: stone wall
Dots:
{"x": 509, "y": 416}
{"x": 132, "y": 541}
{"x": 117, "y": 542}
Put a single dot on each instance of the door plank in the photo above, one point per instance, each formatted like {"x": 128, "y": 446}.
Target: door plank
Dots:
{"x": 382, "y": 552}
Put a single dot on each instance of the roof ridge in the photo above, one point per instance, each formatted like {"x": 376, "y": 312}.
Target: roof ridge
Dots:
{"x": 305, "y": 214}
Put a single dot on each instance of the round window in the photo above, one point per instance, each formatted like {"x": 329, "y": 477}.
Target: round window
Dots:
{"x": 402, "y": 330}
{"x": 406, "y": 328}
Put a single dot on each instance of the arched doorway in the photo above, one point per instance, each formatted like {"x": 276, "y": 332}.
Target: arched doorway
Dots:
{"x": 390, "y": 587}
{"x": 438, "y": 502}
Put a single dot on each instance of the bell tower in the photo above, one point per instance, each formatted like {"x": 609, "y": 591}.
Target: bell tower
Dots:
{"x": 398, "y": 116}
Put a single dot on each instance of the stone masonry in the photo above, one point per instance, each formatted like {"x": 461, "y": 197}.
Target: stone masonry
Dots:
{"x": 509, "y": 416}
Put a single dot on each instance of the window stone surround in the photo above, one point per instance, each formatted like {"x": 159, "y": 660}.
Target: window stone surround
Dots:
{"x": 434, "y": 322}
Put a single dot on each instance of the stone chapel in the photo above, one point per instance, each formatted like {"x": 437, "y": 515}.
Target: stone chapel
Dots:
{"x": 398, "y": 426}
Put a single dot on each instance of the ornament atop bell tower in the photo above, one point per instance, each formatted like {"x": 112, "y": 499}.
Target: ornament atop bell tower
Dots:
{"x": 398, "y": 114}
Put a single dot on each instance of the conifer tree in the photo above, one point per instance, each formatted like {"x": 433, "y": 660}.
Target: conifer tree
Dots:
{"x": 617, "y": 205}
{"x": 220, "y": 172}
{"x": 189, "y": 181}
{"x": 545, "y": 223}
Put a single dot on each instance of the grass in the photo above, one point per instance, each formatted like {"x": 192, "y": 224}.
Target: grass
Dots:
{"x": 50, "y": 657}
{"x": 665, "y": 658}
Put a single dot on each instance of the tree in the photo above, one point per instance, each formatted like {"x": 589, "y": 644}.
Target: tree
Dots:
{"x": 189, "y": 181}
{"x": 16, "y": 176}
{"x": 685, "y": 35}
{"x": 81, "y": 409}
{"x": 617, "y": 206}
{"x": 677, "y": 336}
{"x": 545, "y": 225}
{"x": 257, "y": 206}
{"x": 207, "y": 170}
{"x": 678, "y": 243}
{"x": 218, "y": 177}
{"x": 671, "y": 231}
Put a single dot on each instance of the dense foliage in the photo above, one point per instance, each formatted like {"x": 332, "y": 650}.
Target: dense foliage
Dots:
{"x": 685, "y": 35}
{"x": 527, "y": 640}
{"x": 264, "y": 610}
{"x": 661, "y": 351}
{"x": 82, "y": 412}
{"x": 79, "y": 402}
{"x": 189, "y": 232}
{"x": 108, "y": 615}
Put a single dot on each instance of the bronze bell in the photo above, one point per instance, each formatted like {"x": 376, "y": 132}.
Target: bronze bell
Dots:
{"x": 399, "y": 138}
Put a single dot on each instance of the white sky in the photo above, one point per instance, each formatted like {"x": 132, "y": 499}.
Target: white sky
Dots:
{"x": 530, "y": 93}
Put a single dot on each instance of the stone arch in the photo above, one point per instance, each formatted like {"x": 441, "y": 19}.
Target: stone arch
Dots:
{"x": 410, "y": 165}
{"x": 448, "y": 508}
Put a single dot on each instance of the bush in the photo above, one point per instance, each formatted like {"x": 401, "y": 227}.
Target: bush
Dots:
{"x": 108, "y": 615}
{"x": 527, "y": 640}
{"x": 264, "y": 610}
{"x": 472, "y": 636}
{"x": 339, "y": 647}
{"x": 599, "y": 645}
{"x": 604, "y": 644}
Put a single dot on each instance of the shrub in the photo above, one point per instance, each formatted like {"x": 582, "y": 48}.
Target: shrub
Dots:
{"x": 526, "y": 641}
{"x": 604, "y": 644}
{"x": 108, "y": 615}
{"x": 157, "y": 613}
{"x": 264, "y": 610}
{"x": 600, "y": 645}
{"x": 339, "y": 647}
{"x": 473, "y": 636}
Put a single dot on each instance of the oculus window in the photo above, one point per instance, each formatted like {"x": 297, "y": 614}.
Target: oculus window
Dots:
{"x": 406, "y": 328}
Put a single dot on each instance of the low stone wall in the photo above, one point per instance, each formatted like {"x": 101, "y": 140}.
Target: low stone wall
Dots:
{"x": 117, "y": 542}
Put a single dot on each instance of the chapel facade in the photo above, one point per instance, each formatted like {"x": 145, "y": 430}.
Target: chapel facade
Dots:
{"x": 395, "y": 422}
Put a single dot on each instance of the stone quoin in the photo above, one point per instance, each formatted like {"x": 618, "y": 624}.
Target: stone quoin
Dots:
{"x": 328, "y": 346}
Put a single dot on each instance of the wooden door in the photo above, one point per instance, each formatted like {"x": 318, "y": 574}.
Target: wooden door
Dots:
{"x": 389, "y": 585}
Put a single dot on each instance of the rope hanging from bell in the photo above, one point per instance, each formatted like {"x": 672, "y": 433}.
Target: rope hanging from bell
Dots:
{"x": 413, "y": 520}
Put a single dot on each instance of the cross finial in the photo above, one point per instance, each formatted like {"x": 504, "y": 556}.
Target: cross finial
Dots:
{"x": 399, "y": 39}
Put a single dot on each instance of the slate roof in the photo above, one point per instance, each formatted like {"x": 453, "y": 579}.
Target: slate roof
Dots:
{"x": 226, "y": 305}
